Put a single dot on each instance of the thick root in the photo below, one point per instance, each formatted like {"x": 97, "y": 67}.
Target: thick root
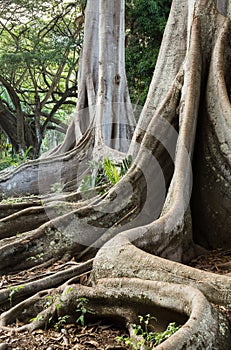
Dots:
{"x": 202, "y": 325}
{"x": 120, "y": 258}
{"x": 52, "y": 280}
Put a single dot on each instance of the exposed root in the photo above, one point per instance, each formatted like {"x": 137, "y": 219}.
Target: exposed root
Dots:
{"x": 11, "y": 208}
{"x": 37, "y": 246}
{"x": 120, "y": 258}
{"x": 118, "y": 298}
{"x": 38, "y": 176}
{"x": 52, "y": 280}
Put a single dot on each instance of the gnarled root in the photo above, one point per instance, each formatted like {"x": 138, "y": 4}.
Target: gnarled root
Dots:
{"x": 43, "y": 282}
{"x": 120, "y": 258}
{"x": 203, "y": 326}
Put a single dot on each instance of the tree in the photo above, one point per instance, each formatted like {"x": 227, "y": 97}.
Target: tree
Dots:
{"x": 135, "y": 238}
{"x": 38, "y": 72}
{"x": 34, "y": 50}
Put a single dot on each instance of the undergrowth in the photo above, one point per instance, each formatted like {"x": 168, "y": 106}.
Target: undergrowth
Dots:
{"x": 145, "y": 334}
{"x": 14, "y": 159}
{"x": 103, "y": 175}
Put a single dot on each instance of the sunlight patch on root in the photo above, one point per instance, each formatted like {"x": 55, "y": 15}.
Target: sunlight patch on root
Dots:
{"x": 203, "y": 326}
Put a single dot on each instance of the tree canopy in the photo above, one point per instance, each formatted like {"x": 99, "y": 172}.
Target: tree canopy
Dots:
{"x": 39, "y": 54}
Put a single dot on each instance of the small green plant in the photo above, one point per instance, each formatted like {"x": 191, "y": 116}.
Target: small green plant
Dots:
{"x": 50, "y": 300}
{"x": 132, "y": 343}
{"x": 54, "y": 298}
{"x": 12, "y": 291}
{"x": 9, "y": 158}
{"x": 69, "y": 290}
{"x": 105, "y": 174}
{"x": 161, "y": 336}
{"x": 37, "y": 318}
{"x": 111, "y": 171}
{"x": 148, "y": 337}
{"x": 95, "y": 179}
{"x": 125, "y": 165}
{"x": 82, "y": 308}
{"x": 61, "y": 321}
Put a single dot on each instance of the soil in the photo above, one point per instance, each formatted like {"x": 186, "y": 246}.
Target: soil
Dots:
{"x": 101, "y": 335}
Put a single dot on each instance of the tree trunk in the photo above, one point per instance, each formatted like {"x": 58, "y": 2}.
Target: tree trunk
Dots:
{"x": 11, "y": 126}
{"x": 147, "y": 215}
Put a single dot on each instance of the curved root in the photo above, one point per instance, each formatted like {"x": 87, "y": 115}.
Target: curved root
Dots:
{"x": 203, "y": 326}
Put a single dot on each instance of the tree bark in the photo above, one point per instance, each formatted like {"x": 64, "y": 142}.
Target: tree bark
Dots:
{"x": 10, "y": 126}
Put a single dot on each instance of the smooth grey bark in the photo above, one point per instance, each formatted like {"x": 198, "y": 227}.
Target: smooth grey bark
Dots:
{"x": 104, "y": 102}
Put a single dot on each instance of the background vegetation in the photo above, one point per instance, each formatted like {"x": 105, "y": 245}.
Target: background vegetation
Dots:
{"x": 39, "y": 51}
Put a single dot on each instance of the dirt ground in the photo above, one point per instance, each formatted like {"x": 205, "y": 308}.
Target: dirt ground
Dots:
{"x": 100, "y": 336}
{"x": 69, "y": 337}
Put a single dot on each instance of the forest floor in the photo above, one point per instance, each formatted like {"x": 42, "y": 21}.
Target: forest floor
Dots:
{"x": 100, "y": 335}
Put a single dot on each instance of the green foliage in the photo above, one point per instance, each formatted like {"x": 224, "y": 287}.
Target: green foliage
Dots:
{"x": 83, "y": 309}
{"x": 161, "y": 336}
{"x": 145, "y": 23}
{"x": 12, "y": 291}
{"x": 125, "y": 165}
{"x": 57, "y": 187}
{"x": 111, "y": 172}
{"x": 105, "y": 174}
{"x": 6, "y": 163}
{"x": 37, "y": 318}
{"x": 9, "y": 158}
{"x": 51, "y": 299}
{"x": 148, "y": 338}
{"x": 39, "y": 51}
{"x": 61, "y": 321}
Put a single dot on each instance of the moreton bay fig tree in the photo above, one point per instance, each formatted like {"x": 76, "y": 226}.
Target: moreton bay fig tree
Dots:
{"x": 172, "y": 204}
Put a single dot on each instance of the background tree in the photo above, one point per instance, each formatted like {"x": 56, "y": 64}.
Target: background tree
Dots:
{"x": 124, "y": 235}
{"x": 29, "y": 70}
{"x": 39, "y": 56}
